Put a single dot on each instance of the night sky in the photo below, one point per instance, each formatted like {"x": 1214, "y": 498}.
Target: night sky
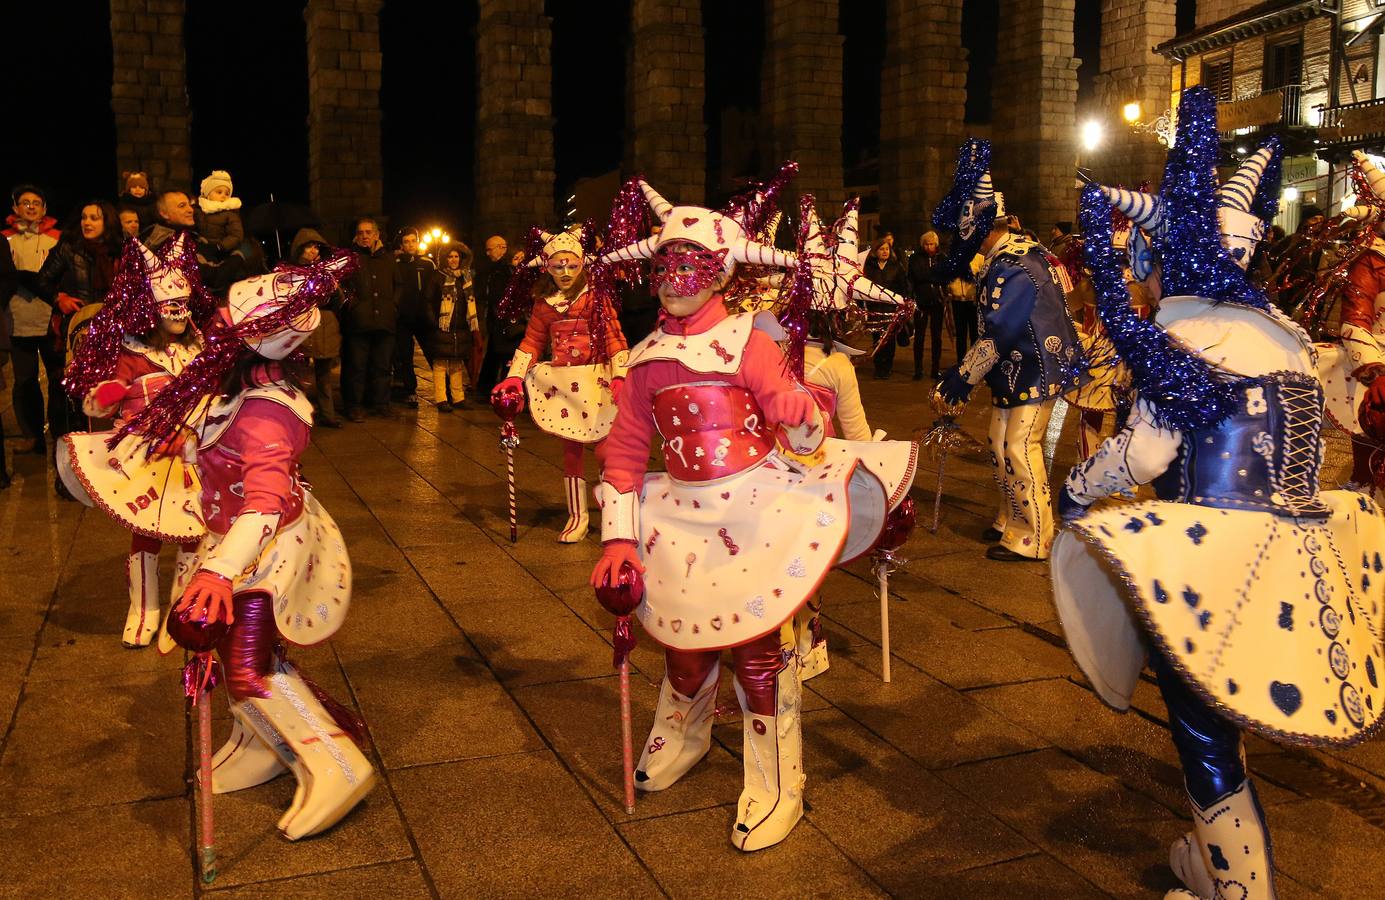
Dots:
{"x": 247, "y": 86}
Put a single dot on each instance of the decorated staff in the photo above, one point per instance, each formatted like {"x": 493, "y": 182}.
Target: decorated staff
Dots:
{"x": 945, "y": 437}
{"x": 620, "y": 594}
{"x": 1027, "y": 352}
{"x": 1254, "y": 597}
{"x": 898, "y": 526}
{"x": 573, "y": 395}
{"x": 507, "y": 405}
{"x": 200, "y": 676}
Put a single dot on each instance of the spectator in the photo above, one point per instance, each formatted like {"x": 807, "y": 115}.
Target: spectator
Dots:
{"x": 961, "y": 294}
{"x": 130, "y": 226}
{"x": 880, "y": 268}
{"x": 31, "y": 235}
{"x": 135, "y": 195}
{"x": 175, "y": 213}
{"x": 458, "y": 330}
{"x": 928, "y": 290}
{"x": 9, "y": 283}
{"x": 1059, "y": 237}
{"x": 419, "y": 298}
{"x": 323, "y": 346}
{"x": 502, "y": 337}
{"x": 370, "y": 320}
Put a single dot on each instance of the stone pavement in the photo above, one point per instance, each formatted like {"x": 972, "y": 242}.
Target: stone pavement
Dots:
{"x": 986, "y": 769}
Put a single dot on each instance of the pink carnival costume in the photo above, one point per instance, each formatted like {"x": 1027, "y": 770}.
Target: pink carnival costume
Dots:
{"x": 139, "y": 341}
{"x": 734, "y": 537}
{"x": 572, "y": 396}
{"x": 273, "y": 563}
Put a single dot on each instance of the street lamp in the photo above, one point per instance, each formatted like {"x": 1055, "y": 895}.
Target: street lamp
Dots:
{"x": 1290, "y": 194}
{"x": 1131, "y": 112}
{"x": 1091, "y": 135}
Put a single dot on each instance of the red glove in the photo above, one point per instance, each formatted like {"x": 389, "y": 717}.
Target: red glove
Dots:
{"x": 617, "y": 387}
{"x": 790, "y": 408}
{"x": 172, "y": 446}
{"x": 69, "y": 304}
{"x": 614, "y": 554}
{"x": 1372, "y": 411}
{"x": 207, "y": 598}
{"x": 108, "y": 394}
{"x": 513, "y": 384}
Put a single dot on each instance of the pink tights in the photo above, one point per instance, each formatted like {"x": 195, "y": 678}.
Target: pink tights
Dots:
{"x": 758, "y": 663}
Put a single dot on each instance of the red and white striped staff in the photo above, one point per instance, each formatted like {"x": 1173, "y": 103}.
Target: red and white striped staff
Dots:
{"x": 507, "y": 405}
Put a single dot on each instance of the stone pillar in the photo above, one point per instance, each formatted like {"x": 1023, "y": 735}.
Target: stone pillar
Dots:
{"x": 1131, "y": 72}
{"x": 149, "y": 93}
{"x": 1034, "y": 150}
{"x": 344, "y": 62}
{"x": 514, "y": 119}
{"x": 666, "y": 132}
{"x": 803, "y": 97}
{"x": 923, "y": 99}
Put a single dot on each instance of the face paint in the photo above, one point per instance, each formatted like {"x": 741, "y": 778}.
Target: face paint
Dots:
{"x": 686, "y": 272}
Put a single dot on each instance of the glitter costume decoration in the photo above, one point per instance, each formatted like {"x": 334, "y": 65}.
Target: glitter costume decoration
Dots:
{"x": 272, "y": 564}
{"x": 735, "y": 536}
{"x": 1027, "y": 352}
{"x": 140, "y": 340}
{"x": 1253, "y": 596}
{"x": 572, "y": 396}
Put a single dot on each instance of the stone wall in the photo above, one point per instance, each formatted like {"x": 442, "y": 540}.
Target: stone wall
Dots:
{"x": 514, "y": 119}
{"x": 149, "y": 93}
{"x": 344, "y": 64}
{"x": 1209, "y": 11}
{"x": 1132, "y": 72}
{"x": 666, "y": 133}
{"x": 923, "y": 99}
{"x": 1034, "y": 151}
{"x": 803, "y": 97}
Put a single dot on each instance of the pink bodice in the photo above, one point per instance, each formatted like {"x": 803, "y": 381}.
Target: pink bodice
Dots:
{"x": 253, "y": 465}
{"x": 710, "y": 430}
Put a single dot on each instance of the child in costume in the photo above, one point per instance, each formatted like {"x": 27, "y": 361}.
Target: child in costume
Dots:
{"x": 734, "y": 538}
{"x": 1028, "y": 353}
{"x": 1254, "y": 596}
{"x": 573, "y": 395}
{"x": 141, "y": 338}
{"x": 272, "y": 564}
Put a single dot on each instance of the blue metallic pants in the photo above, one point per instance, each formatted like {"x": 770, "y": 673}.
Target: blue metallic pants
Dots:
{"x": 1208, "y": 745}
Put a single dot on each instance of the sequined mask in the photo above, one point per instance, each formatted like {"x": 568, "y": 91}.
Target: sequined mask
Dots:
{"x": 174, "y": 311}
{"x": 687, "y": 272}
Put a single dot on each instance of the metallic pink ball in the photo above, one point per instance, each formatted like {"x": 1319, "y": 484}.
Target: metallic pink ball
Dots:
{"x": 194, "y": 634}
{"x": 621, "y": 598}
{"x": 899, "y": 524}
{"x": 507, "y": 404}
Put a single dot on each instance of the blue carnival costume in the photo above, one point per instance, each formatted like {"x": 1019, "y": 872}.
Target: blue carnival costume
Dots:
{"x": 1254, "y": 595}
{"x": 1027, "y": 352}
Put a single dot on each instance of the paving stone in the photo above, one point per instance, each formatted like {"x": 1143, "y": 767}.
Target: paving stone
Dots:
{"x": 1323, "y": 847}
{"x": 534, "y": 641}
{"x": 1011, "y": 878}
{"x": 515, "y": 826}
{"x": 437, "y": 704}
{"x": 402, "y": 880}
{"x": 122, "y": 850}
{"x": 85, "y": 743}
{"x": 691, "y": 856}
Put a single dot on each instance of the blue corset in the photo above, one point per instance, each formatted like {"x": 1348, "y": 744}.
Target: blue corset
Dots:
{"x": 1264, "y": 456}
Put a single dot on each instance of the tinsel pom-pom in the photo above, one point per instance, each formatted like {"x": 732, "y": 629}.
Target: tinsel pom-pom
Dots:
{"x": 518, "y": 298}
{"x": 754, "y": 207}
{"x": 1193, "y": 260}
{"x": 973, "y": 161}
{"x": 1181, "y": 387}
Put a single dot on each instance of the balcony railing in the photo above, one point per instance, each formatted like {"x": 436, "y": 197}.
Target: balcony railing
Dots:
{"x": 1277, "y": 106}
{"x": 1353, "y": 122}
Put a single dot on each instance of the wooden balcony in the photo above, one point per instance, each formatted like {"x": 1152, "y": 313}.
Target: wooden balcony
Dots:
{"x": 1278, "y": 106}
{"x": 1353, "y": 123}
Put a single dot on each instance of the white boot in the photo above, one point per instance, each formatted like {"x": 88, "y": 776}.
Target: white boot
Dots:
{"x": 812, "y": 657}
{"x": 772, "y": 800}
{"x": 245, "y": 760}
{"x": 333, "y": 775}
{"x": 681, "y": 736}
{"x": 182, "y": 573}
{"x": 142, "y": 621}
{"x": 1232, "y": 849}
{"x": 576, "y": 527}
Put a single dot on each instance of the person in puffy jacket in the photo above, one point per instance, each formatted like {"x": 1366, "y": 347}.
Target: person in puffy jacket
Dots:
{"x": 458, "y": 333}
{"x": 323, "y": 346}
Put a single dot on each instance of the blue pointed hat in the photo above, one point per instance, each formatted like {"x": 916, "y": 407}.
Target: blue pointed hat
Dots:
{"x": 970, "y": 208}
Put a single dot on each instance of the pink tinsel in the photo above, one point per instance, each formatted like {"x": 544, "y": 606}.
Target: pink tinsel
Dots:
{"x": 799, "y": 297}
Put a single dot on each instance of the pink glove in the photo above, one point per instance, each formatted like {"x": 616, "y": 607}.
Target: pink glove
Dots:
{"x": 108, "y": 394}
{"x": 790, "y": 408}
{"x": 207, "y": 598}
{"x": 614, "y": 554}
{"x": 172, "y": 446}
{"x": 617, "y": 387}
{"x": 69, "y": 304}
{"x": 514, "y": 384}
{"x": 1372, "y": 411}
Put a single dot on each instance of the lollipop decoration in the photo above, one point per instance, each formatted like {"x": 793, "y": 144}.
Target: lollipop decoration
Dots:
{"x": 620, "y": 599}
{"x": 200, "y": 675}
{"x": 899, "y": 524}
{"x": 508, "y": 404}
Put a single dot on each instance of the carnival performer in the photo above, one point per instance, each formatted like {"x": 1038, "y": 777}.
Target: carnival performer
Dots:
{"x": 1028, "y": 353}
{"x": 573, "y": 395}
{"x": 272, "y": 565}
{"x": 734, "y": 538}
{"x": 1353, "y": 360}
{"x": 1253, "y": 595}
{"x": 142, "y": 337}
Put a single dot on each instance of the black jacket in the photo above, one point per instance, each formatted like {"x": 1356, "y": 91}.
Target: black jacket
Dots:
{"x": 373, "y": 294}
{"x": 891, "y": 275}
{"x": 70, "y": 269}
{"x": 490, "y": 290}
{"x": 926, "y": 280}
{"x": 420, "y": 289}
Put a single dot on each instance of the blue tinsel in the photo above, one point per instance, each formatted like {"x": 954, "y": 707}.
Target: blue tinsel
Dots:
{"x": 973, "y": 161}
{"x": 1193, "y": 261}
{"x": 1180, "y": 386}
{"x": 1266, "y": 205}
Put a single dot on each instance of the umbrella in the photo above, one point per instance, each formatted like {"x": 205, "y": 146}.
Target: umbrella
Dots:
{"x": 279, "y": 216}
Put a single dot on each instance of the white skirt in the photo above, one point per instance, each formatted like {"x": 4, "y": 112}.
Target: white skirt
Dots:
{"x": 572, "y": 402}
{"x": 157, "y": 497}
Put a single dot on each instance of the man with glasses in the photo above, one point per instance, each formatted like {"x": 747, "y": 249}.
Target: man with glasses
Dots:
{"x": 370, "y": 317}
{"x": 31, "y": 233}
